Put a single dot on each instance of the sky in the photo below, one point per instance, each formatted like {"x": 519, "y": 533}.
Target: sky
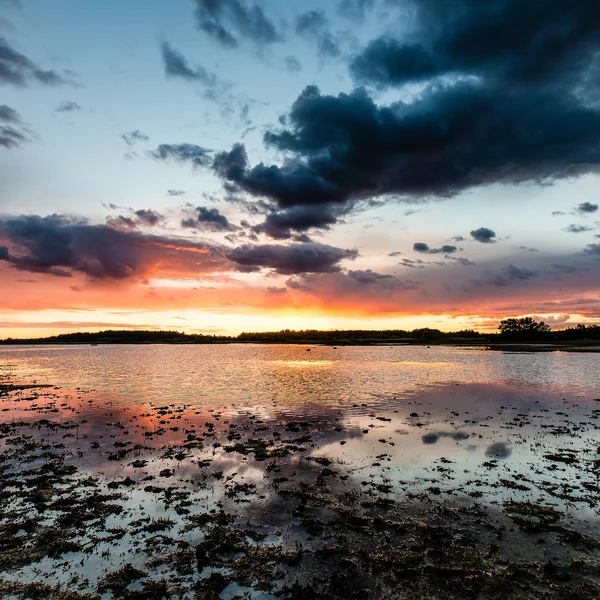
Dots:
{"x": 219, "y": 166}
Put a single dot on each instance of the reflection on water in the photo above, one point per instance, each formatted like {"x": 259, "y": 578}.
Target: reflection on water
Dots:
{"x": 174, "y": 432}
{"x": 213, "y": 376}
{"x": 304, "y": 363}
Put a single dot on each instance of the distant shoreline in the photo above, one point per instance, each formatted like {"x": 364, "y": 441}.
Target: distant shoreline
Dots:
{"x": 569, "y": 346}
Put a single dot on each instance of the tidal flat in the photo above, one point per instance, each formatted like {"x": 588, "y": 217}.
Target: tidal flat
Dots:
{"x": 291, "y": 472}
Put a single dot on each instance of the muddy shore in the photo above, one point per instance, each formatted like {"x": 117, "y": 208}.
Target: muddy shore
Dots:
{"x": 166, "y": 501}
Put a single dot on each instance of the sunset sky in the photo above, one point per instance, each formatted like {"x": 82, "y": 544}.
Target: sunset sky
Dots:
{"x": 218, "y": 166}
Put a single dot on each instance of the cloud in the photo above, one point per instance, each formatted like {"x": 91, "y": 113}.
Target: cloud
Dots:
{"x": 60, "y": 245}
{"x": 293, "y": 258}
{"x": 176, "y": 65}
{"x": 345, "y": 148}
{"x": 149, "y": 217}
{"x": 413, "y": 264}
{"x": 314, "y": 26}
{"x": 368, "y": 276}
{"x": 395, "y": 253}
{"x": 532, "y": 95}
{"x": 355, "y": 10}
{"x": 10, "y": 137}
{"x": 276, "y": 290}
{"x": 293, "y": 64}
{"x": 483, "y": 235}
{"x": 9, "y": 115}
{"x": 140, "y": 218}
{"x": 13, "y": 132}
{"x": 506, "y": 276}
{"x": 196, "y": 155}
{"x": 465, "y": 262}
{"x": 515, "y": 272}
{"x": 280, "y": 224}
{"x": 586, "y": 208}
{"x": 592, "y": 249}
{"x": 16, "y": 69}
{"x": 425, "y": 249}
{"x": 134, "y": 136}
{"x": 363, "y": 291}
{"x": 574, "y": 228}
{"x": 558, "y": 213}
{"x": 176, "y": 192}
{"x": 209, "y": 219}
{"x": 228, "y": 21}
{"x": 68, "y": 106}
{"x": 488, "y": 40}
{"x": 75, "y": 325}
{"x": 121, "y": 223}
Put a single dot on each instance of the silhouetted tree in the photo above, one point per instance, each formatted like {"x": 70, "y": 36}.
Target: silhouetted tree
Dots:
{"x": 525, "y": 328}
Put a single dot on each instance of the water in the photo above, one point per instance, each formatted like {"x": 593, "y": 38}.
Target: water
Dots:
{"x": 255, "y": 375}
{"x": 179, "y": 431}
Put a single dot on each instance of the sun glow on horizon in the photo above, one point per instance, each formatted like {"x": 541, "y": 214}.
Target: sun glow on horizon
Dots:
{"x": 48, "y": 323}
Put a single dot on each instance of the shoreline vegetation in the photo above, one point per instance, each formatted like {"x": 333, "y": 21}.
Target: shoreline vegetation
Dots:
{"x": 515, "y": 334}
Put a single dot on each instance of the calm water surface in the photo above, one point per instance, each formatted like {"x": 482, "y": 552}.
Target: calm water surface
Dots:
{"x": 252, "y": 375}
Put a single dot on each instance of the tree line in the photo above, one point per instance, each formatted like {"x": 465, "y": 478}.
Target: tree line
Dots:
{"x": 510, "y": 330}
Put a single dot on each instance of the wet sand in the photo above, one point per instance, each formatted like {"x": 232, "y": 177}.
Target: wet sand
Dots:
{"x": 458, "y": 491}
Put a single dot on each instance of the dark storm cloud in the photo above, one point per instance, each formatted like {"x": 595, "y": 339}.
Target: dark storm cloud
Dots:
{"x": 134, "y": 136}
{"x": 510, "y": 97}
{"x": 425, "y": 249}
{"x": 280, "y": 224}
{"x": 574, "y": 228}
{"x": 61, "y": 245}
{"x": 292, "y": 259}
{"x": 483, "y": 235}
{"x": 341, "y": 149}
{"x": 314, "y": 26}
{"x": 17, "y": 69}
{"x": 68, "y": 106}
{"x": 210, "y": 219}
{"x": 587, "y": 208}
{"x": 502, "y": 40}
{"x": 196, "y": 155}
{"x": 228, "y": 21}
{"x": 13, "y": 133}
{"x": 176, "y": 65}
